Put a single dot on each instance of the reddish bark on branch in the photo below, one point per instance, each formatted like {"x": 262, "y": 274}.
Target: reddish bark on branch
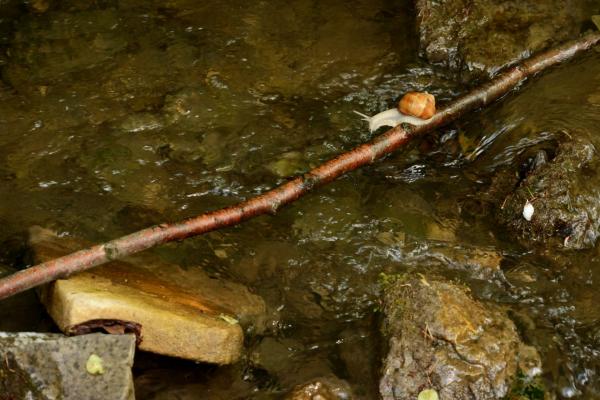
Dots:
{"x": 272, "y": 200}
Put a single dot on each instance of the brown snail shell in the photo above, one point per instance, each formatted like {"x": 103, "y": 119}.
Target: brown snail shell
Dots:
{"x": 417, "y": 104}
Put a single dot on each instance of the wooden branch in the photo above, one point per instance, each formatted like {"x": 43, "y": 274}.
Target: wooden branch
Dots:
{"x": 272, "y": 200}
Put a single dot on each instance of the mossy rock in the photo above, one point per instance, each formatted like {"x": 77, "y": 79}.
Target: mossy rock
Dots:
{"x": 439, "y": 337}
{"x": 565, "y": 194}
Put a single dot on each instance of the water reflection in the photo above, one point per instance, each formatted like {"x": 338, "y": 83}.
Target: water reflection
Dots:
{"x": 115, "y": 117}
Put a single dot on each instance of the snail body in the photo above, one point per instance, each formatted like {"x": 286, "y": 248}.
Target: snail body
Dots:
{"x": 414, "y": 108}
{"x": 391, "y": 117}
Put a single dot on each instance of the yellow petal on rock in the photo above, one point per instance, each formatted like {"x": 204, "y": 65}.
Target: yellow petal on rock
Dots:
{"x": 228, "y": 319}
{"x": 428, "y": 394}
{"x": 94, "y": 365}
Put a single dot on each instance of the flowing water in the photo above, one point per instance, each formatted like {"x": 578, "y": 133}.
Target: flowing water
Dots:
{"x": 116, "y": 115}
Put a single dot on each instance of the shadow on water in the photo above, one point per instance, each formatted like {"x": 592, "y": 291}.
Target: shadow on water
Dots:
{"x": 118, "y": 115}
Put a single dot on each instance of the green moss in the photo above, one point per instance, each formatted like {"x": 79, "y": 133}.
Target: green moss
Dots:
{"x": 525, "y": 388}
{"x": 386, "y": 280}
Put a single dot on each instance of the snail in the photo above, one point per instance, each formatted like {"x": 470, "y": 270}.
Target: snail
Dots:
{"x": 414, "y": 108}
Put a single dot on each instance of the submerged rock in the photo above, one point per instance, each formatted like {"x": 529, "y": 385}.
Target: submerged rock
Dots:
{"x": 46, "y": 366}
{"x": 288, "y": 362}
{"x": 327, "y": 388}
{"x": 356, "y": 349}
{"x": 564, "y": 193}
{"x": 175, "y": 312}
{"x": 476, "y": 38}
{"x": 440, "y": 338}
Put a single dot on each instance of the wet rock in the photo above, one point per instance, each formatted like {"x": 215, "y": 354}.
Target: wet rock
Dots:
{"x": 472, "y": 262}
{"x": 287, "y": 165}
{"x": 193, "y": 108}
{"x": 297, "y": 49}
{"x": 329, "y": 217}
{"x": 273, "y": 355}
{"x": 181, "y": 313}
{"x": 129, "y": 168}
{"x": 437, "y": 231}
{"x": 476, "y": 38}
{"x": 479, "y": 262}
{"x": 564, "y": 193}
{"x": 440, "y": 338}
{"x": 43, "y": 52}
{"x": 52, "y": 366}
{"x": 326, "y": 388}
{"x": 140, "y": 122}
{"x": 140, "y": 80}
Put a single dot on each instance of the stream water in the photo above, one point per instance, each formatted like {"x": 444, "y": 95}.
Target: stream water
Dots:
{"x": 116, "y": 115}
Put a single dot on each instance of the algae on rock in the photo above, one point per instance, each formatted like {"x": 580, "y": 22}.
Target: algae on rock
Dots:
{"x": 476, "y": 38}
{"x": 440, "y": 338}
{"x": 565, "y": 196}
{"x": 49, "y": 366}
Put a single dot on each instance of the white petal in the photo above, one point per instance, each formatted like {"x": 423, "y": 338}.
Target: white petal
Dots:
{"x": 528, "y": 211}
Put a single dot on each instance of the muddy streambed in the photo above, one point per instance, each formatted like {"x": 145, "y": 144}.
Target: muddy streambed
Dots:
{"x": 116, "y": 115}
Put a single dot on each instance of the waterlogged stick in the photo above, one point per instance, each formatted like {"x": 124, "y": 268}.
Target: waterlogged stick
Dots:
{"x": 271, "y": 201}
